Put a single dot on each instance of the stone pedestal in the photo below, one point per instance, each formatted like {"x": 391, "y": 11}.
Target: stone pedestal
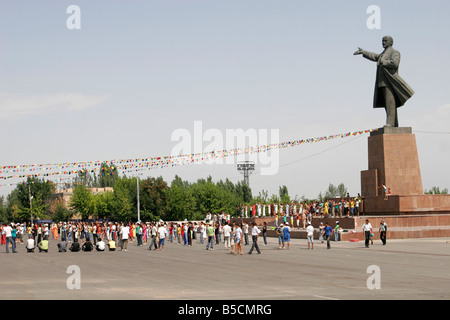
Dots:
{"x": 394, "y": 162}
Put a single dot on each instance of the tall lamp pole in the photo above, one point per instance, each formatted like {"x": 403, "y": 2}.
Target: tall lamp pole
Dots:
{"x": 138, "y": 203}
{"x": 29, "y": 196}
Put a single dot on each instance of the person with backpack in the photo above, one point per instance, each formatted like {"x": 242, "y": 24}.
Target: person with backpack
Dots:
{"x": 279, "y": 231}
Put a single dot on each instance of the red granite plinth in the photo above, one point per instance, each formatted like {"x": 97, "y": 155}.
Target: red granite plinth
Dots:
{"x": 394, "y": 162}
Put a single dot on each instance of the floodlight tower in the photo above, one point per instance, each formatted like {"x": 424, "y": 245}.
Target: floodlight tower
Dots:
{"x": 246, "y": 168}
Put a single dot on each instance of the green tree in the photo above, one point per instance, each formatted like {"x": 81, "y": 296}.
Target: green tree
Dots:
{"x": 436, "y": 190}
{"x": 153, "y": 198}
{"x": 284, "y": 194}
{"x": 342, "y": 190}
{"x": 181, "y": 202}
{"x": 123, "y": 199}
{"x": 82, "y": 201}
{"x": 39, "y": 191}
{"x": 58, "y": 211}
{"x": 103, "y": 205}
{"x": 107, "y": 176}
{"x": 3, "y": 216}
{"x": 243, "y": 192}
{"x": 331, "y": 192}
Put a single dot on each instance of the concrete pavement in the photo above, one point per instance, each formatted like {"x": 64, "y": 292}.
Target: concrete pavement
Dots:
{"x": 408, "y": 269}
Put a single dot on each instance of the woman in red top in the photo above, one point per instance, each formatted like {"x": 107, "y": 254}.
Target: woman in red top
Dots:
{"x": 3, "y": 241}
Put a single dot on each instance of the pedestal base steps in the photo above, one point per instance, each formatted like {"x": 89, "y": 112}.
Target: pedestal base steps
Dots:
{"x": 399, "y": 226}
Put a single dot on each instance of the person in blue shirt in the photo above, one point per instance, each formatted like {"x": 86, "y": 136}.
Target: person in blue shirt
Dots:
{"x": 327, "y": 232}
{"x": 286, "y": 235}
{"x": 13, "y": 238}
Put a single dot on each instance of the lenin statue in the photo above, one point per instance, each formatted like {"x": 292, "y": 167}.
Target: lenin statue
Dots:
{"x": 391, "y": 91}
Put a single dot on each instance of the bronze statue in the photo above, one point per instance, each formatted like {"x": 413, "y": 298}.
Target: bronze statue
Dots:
{"x": 391, "y": 91}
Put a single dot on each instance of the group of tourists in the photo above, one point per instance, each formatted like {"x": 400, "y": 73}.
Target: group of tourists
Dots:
{"x": 342, "y": 207}
{"x": 213, "y": 230}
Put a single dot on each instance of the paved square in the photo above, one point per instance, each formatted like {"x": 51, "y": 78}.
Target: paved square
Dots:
{"x": 409, "y": 269}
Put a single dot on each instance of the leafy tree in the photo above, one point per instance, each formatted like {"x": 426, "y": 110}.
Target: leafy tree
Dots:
{"x": 342, "y": 190}
{"x": 436, "y": 190}
{"x": 39, "y": 191}
{"x": 108, "y": 175}
{"x": 103, "y": 204}
{"x": 153, "y": 198}
{"x": 262, "y": 197}
{"x": 58, "y": 211}
{"x": 331, "y": 192}
{"x": 3, "y": 216}
{"x": 243, "y": 192}
{"x": 81, "y": 201}
{"x": 123, "y": 199}
{"x": 181, "y": 201}
{"x": 274, "y": 199}
{"x": 284, "y": 194}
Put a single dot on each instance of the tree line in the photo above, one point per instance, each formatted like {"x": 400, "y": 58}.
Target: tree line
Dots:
{"x": 39, "y": 199}
{"x": 179, "y": 200}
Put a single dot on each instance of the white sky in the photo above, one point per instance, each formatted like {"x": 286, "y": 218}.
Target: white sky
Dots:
{"x": 137, "y": 71}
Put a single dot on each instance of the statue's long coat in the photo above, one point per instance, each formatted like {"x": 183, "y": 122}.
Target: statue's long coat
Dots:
{"x": 387, "y": 75}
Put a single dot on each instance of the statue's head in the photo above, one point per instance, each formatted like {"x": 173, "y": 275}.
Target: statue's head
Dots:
{"x": 388, "y": 41}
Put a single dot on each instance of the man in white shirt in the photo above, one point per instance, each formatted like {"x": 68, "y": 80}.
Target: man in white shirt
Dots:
{"x": 7, "y": 231}
{"x": 255, "y": 235}
{"x": 124, "y": 232}
{"x": 383, "y": 230}
{"x": 101, "y": 245}
{"x": 237, "y": 240}
{"x": 153, "y": 232}
{"x": 162, "y": 237}
{"x": 245, "y": 233}
{"x": 30, "y": 245}
{"x": 367, "y": 228}
{"x": 310, "y": 231}
{"x": 226, "y": 235}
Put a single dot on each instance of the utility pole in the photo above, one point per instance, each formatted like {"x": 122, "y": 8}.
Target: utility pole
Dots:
{"x": 246, "y": 168}
{"x": 30, "y": 197}
{"x": 138, "y": 203}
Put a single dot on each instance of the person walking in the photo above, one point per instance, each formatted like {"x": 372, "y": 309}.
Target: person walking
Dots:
{"x": 153, "y": 232}
{"x": 336, "y": 231}
{"x": 7, "y": 232}
{"x": 255, "y": 235}
{"x": 245, "y": 233}
{"x": 162, "y": 237}
{"x": 367, "y": 228}
{"x": 226, "y": 235}
{"x": 125, "y": 233}
{"x": 310, "y": 235}
{"x": 383, "y": 231}
{"x": 237, "y": 241}
{"x": 264, "y": 232}
{"x": 327, "y": 232}
{"x": 210, "y": 234}
{"x": 286, "y": 236}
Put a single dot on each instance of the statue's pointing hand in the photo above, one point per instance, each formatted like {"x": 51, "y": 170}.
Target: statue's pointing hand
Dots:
{"x": 358, "y": 52}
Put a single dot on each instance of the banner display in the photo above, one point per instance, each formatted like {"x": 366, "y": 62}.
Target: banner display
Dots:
{"x": 144, "y": 164}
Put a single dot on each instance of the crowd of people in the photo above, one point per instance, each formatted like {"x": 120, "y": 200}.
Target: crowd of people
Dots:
{"x": 214, "y": 230}
{"x": 341, "y": 207}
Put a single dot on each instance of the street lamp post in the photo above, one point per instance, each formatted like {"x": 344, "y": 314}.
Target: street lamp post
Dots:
{"x": 31, "y": 197}
{"x": 138, "y": 203}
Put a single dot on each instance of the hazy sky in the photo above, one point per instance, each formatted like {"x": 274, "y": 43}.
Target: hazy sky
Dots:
{"x": 137, "y": 71}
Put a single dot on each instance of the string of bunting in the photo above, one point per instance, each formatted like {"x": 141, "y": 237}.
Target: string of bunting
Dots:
{"x": 142, "y": 164}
